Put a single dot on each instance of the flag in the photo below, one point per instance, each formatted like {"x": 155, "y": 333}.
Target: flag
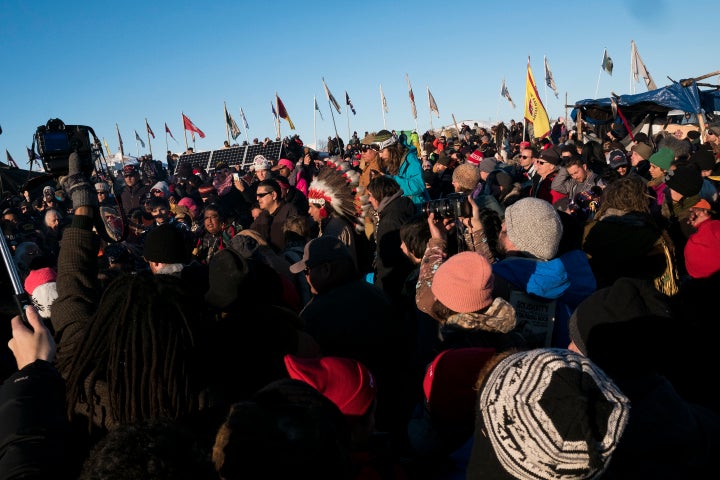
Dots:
{"x": 107, "y": 147}
{"x": 282, "y": 112}
{"x": 167, "y": 130}
{"x": 383, "y": 100}
{"x": 330, "y": 97}
{"x": 234, "y": 130}
{"x": 607, "y": 63}
{"x": 433, "y": 105}
{"x": 188, "y": 125}
{"x": 318, "y": 109}
{"x": 242, "y": 114}
{"x": 0, "y": 130}
{"x": 32, "y": 156}
{"x": 349, "y": 103}
{"x": 412, "y": 97}
{"x": 534, "y": 111}
{"x": 504, "y": 93}
{"x": 149, "y": 130}
{"x": 274, "y": 112}
{"x": 137, "y": 137}
{"x": 120, "y": 142}
{"x": 10, "y": 160}
{"x": 549, "y": 80}
{"x": 638, "y": 67}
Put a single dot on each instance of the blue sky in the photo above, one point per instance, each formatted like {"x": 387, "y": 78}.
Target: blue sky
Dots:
{"x": 102, "y": 63}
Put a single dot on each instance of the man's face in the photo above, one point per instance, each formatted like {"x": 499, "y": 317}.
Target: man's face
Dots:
{"x": 221, "y": 174}
{"x": 130, "y": 180}
{"x": 543, "y": 167}
{"x": 635, "y": 158}
{"x": 266, "y": 198}
{"x": 373, "y": 201}
{"x": 213, "y": 223}
{"x": 160, "y": 214}
{"x": 315, "y": 212}
{"x": 579, "y": 174}
{"x": 526, "y": 158}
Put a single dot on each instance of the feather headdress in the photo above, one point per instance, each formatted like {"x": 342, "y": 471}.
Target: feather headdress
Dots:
{"x": 334, "y": 188}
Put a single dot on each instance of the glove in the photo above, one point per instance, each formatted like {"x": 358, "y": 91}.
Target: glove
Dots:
{"x": 77, "y": 186}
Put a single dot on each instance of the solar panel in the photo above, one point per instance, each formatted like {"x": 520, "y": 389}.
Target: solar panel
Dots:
{"x": 242, "y": 156}
{"x": 195, "y": 160}
{"x": 232, "y": 156}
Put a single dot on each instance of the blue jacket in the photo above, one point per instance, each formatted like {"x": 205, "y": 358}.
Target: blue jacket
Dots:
{"x": 410, "y": 178}
{"x": 567, "y": 279}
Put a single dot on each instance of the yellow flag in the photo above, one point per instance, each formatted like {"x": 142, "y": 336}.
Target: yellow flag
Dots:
{"x": 534, "y": 110}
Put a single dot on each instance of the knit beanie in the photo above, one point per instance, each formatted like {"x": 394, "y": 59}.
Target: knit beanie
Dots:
{"x": 487, "y": 164}
{"x": 686, "y": 180}
{"x": 344, "y": 381}
{"x": 464, "y": 283}
{"x": 190, "y": 204}
{"x": 703, "y": 159}
{"x": 165, "y": 244}
{"x": 40, "y": 285}
{"x": 466, "y": 176}
{"x": 475, "y": 157}
{"x": 663, "y": 158}
{"x": 642, "y": 149}
{"x": 534, "y": 227}
{"x": 702, "y": 255}
{"x": 547, "y": 414}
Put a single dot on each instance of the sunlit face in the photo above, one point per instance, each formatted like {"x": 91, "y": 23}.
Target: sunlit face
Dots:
{"x": 130, "y": 180}
{"x": 526, "y": 158}
{"x": 262, "y": 174}
{"x": 656, "y": 172}
{"x": 266, "y": 198}
{"x": 315, "y": 212}
{"x": 213, "y": 222}
{"x": 221, "y": 174}
{"x": 579, "y": 174}
{"x": 544, "y": 168}
{"x": 385, "y": 154}
{"x": 52, "y": 220}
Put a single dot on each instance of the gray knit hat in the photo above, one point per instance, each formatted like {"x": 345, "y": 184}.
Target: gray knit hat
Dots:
{"x": 466, "y": 176}
{"x": 534, "y": 226}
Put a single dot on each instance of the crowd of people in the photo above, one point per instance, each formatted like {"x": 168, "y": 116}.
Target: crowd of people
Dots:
{"x": 463, "y": 305}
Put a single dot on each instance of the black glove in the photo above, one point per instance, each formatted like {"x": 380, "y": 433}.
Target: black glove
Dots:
{"x": 77, "y": 186}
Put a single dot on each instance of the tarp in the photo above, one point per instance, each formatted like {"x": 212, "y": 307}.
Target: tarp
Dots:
{"x": 658, "y": 102}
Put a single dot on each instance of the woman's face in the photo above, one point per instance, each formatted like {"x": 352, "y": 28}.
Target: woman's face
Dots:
{"x": 656, "y": 172}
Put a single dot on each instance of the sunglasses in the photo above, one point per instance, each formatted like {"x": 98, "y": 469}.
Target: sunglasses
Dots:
{"x": 365, "y": 148}
{"x": 262, "y": 194}
{"x": 540, "y": 162}
{"x": 524, "y": 156}
{"x": 709, "y": 132}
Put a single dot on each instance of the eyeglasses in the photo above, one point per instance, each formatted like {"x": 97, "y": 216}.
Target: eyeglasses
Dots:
{"x": 101, "y": 193}
{"x": 262, "y": 194}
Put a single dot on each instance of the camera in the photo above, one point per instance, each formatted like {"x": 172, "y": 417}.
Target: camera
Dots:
{"x": 56, "y": 141}
{"x": 454, "y": 205}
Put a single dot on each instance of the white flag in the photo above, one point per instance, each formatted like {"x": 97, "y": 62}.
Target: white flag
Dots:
{"x": 549, "y": 80}
{"x": 412, "y": 97}
{"x": 637, "y": 66}
{"x": 331, "y": 98}
{"x": 505, "y": 93}
{"x": 433, "y": 104}
{"x": 383, "y": 100}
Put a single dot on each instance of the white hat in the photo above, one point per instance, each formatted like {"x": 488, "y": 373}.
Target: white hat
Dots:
{"x": 261, "y": 163}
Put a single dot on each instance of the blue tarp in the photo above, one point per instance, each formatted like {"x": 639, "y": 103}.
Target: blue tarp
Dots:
{"x": 659, "y": 102}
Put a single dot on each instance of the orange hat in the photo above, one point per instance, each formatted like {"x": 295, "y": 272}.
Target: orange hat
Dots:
{"x": 702, "y": 204}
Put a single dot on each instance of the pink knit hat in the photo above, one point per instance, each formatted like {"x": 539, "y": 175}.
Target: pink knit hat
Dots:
{"x": 464, "y": 282}
{"x": 190, "y": 204}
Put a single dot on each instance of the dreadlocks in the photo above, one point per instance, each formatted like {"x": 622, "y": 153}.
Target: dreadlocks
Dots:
{"x": 140, "y": 344}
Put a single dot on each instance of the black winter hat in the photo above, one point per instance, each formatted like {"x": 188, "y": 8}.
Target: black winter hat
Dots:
{"x": 229, "y": 274}
{"x": 165, "y": 244}
{"x": 703, "y": 159}
{"x": 685, "y": 180}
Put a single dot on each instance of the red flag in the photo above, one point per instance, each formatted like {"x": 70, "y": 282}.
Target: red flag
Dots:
{"x": 167, "y": 130}
{"x": 149, "y": 130}
{"x": 191, "y": 126}
{"x": 282, "y": 112}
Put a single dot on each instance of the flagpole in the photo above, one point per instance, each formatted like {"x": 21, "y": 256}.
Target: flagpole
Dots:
{"x": 148, "y": 134}
{"x": 242, "y": 114}
{"x": 382, "y": 106}
{"x": 597, "y": 88}
{"x": 347, "y": 113}
{"x": 185, "y": 133}
{"x": 430, "y": 107}
{"x": 167, "y": 146}
{"x": 227, "y": 127}
{"x": 137, "y": 145}
{"x": 122, "y": 150}
{"x": 315, "y": 120}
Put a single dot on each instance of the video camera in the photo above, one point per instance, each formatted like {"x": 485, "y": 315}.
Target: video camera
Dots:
{"x": 453, "y": 206}
{"x": 56, "y": 141}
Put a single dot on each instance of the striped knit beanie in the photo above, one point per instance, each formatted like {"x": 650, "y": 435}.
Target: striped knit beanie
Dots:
{"x": 547, "y": 414}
